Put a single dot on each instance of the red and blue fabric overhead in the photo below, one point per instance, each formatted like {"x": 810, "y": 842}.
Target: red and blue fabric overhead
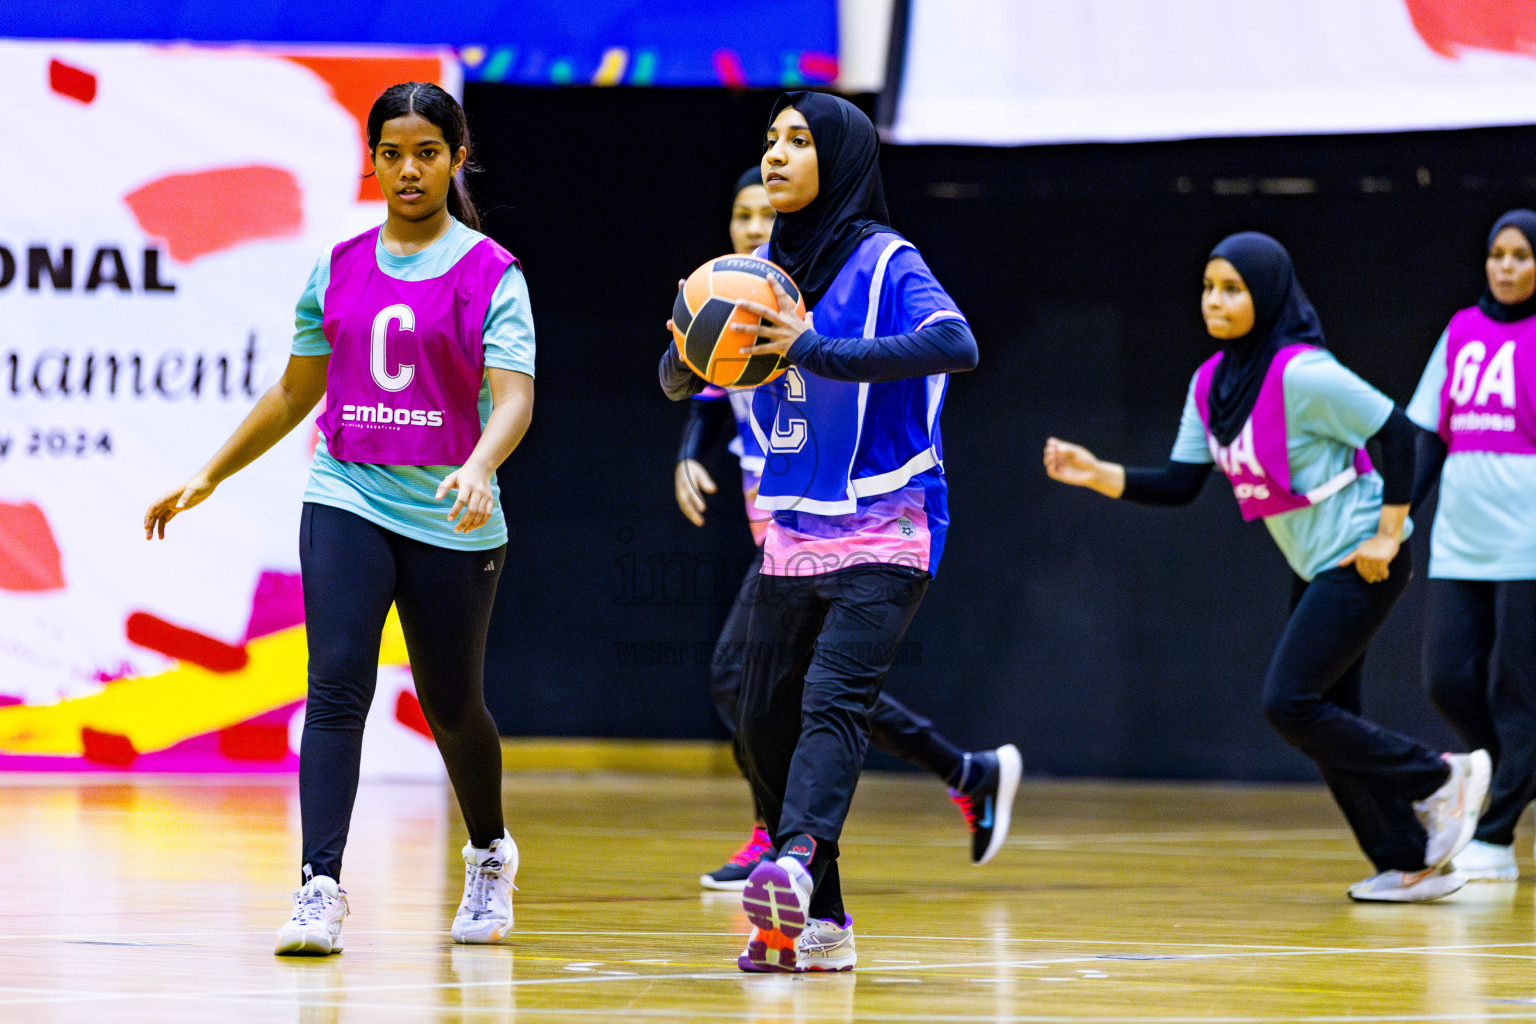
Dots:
{"x": 736, "y": 43}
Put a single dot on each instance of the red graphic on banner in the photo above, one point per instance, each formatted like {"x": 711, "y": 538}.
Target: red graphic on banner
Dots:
{"x": 107, "y": 747}
{"x": 250, "y": 741}
{"x": 29, "y": 556}
{"x": 409, "y": 714}
{"x": 184, "y": 644}
{"x": 263, "y": 738}
{"x": 357, "y": 83}
{"x": 1450, "y": 26}
{"x": 76, "y": 83}
{"x": 210, "y": 211}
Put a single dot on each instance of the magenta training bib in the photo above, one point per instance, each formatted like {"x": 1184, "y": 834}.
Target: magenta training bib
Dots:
{"x": 1257, "y": 461}
{"x": 1486, "y": 404}
{"x": 407, "y": 357}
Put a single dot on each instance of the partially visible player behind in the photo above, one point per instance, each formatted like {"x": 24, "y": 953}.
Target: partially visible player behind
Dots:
{"x": 981, "y": 783}
{"x": 1477, "y": 400}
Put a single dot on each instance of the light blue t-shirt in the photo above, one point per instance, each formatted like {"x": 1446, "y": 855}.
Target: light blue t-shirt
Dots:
{"x": 1329, "y": 415}
{"x": 403, "y": 499}
{"x": 1485, "y": 520}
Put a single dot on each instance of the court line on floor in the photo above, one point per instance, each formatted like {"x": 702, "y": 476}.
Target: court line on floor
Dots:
{"x": 266, "y": 996}
{"x": 106, "y": 938}
{"x": 1043, "y": 940}
{"x": 1255, "y": 948}
{"x": 350, "y": 1002}
{"x": 756, "y": 1014}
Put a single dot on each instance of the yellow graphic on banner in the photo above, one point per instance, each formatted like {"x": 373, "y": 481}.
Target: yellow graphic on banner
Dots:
{"x": 160, "y": 711}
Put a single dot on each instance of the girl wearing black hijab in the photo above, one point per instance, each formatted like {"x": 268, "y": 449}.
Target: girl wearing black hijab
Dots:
{"x": 982, "y": 783}
{"x": 854, "y": 479}
{"x": 1288, "y": 425}
{"x": 1477, "y": 399}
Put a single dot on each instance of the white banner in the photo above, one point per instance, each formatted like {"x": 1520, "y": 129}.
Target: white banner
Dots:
{"x": 151, "y": 252}
{"x": 1011, "y": 72}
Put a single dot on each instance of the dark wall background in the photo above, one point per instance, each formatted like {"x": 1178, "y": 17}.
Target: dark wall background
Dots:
{"x": 1104, "y": 639}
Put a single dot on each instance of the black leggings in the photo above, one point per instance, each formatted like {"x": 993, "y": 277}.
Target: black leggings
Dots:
{"x": 893, "y": 727}
{"x": 1312, "y": 699}
{"x": 353, "y": 571}
{"x": 1480, "y": 664}
{"x": 818, "y": 649}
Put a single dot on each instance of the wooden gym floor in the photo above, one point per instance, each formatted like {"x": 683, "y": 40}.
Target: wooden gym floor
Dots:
{"x": 157, "y": 899}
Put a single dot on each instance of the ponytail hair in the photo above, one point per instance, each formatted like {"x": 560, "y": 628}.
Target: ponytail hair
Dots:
{"x": 444, "y": 113}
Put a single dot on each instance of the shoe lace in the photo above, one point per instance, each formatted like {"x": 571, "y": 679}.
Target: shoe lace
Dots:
{"x": 753, "y": 849}
{"x": 480, "y": 886}
{"x": 967, "y": 807}
{"x": 312, "y": 905}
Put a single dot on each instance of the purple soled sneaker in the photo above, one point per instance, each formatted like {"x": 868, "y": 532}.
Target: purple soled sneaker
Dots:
{"x": 777, "y": 901}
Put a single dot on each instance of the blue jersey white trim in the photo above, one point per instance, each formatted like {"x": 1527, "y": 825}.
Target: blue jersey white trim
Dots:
{"x": 827, "y": 475}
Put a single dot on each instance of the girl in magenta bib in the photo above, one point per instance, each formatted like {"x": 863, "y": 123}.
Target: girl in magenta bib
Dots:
{"x": 1477, "y": 399}
{"x": 1287, "y": 424}
{"x": 418, "y": 335}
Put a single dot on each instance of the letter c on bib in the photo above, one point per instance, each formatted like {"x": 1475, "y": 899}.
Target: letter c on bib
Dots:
{"x": 790, "y": 435}
{"x": 377, "y": 363}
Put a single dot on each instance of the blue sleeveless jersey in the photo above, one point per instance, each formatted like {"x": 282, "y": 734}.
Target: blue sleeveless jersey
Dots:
{"x": 840, "y": 457}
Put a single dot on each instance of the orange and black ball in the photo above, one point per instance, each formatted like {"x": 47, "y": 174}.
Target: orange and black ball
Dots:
{"x": 706, "y": 307}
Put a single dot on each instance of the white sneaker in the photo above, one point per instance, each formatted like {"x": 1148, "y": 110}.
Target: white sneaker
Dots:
{"x": 1407, "y": 886}
{"x": 485, "y": 912}
{"x": 777, "y": 901}
{"x": 826, "y": 946}
{"x": 315, "y": 927}
{"x": 1486, "y": 862}
{"x": 1450, "y": 813}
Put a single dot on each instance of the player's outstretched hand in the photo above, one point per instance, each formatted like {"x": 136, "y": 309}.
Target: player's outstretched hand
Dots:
{"x": 1070, "y": 463}
{"x": 173, "y": 503}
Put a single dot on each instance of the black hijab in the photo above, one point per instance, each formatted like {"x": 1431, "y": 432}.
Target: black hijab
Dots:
{"x": 812, "y": 244}
{"x": 1523, "y": 221}
{"x": 1283, "y": 316}
{"x": 750, "y": 177}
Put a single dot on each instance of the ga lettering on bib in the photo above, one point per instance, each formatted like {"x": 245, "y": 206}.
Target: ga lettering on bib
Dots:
{"x": 1257, "y": 462}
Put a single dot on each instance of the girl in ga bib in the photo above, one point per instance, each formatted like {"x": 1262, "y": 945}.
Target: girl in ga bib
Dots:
{"x": 1288, "y": 424}
{"x": 982, "y": 783}
{"x": 418, "y": 334}
{"x": 1477, "y": 399}
{"x": 853, "y": 476}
